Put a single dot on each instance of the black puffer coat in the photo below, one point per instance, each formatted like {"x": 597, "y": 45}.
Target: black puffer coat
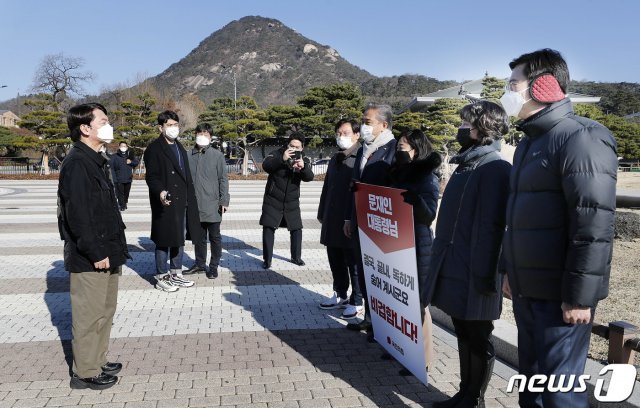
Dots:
{"x": 333, "y": 201}
{"x": 163, "y": 173}
{"x": 559, "y": 238}
{"x": 281, "y": 202}
{"x": 469, "y": 232}
{"x": 423, "y": 189}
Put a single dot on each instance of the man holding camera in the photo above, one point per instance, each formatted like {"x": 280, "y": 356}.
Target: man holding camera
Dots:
{"x": 287, "y": 167}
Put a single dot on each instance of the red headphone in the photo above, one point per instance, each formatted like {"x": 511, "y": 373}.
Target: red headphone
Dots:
{"x": 545, "y": 88}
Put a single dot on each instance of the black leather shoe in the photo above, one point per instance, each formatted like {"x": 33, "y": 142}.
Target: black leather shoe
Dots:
{"x": 111, "y": 368}
{"x": 193, "y": 270}
{"x": 212, "y": 273}
{"x": 298, "y": 262}
{"x": 363, "y": 325}
{"x": 101, "y": 381}
{"x": 266, "y": 265}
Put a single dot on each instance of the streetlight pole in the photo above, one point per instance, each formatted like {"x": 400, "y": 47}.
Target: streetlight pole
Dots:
{"x": 235, "y": 91}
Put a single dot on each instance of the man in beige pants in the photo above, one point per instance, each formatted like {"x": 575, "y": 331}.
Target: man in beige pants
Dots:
{"x": 95, "y": 247}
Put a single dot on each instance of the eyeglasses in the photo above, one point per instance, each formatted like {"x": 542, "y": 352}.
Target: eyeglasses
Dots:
{"x": 511, "y": 85}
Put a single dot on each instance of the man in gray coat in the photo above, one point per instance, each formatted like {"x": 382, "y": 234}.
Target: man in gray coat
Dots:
{"x": 208, "y": 171}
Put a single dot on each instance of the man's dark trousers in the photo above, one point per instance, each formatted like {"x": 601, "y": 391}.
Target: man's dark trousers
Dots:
{"x": 548, "y": 345}
{"x": 268, "y": 239}
{"x": 123, "y": 190}
{"x": 212, "y": 230}
{"x": 342, "y": 264}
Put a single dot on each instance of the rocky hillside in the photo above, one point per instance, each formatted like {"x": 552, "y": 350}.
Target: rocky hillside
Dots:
{"x": 275, "y": 65}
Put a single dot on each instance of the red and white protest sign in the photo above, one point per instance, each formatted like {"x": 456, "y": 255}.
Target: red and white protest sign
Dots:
{"x": 387, "y": 242}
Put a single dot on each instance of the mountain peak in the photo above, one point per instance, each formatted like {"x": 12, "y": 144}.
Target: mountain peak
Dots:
{"x": 271, "y": 62}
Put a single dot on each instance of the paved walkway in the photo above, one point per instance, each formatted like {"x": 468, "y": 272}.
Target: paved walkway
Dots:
{"x": 250, "y": 338}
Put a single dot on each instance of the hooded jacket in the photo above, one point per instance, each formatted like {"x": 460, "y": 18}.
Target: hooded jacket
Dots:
{"x": 423, "y": 190}
{"x": 281, "y": 203}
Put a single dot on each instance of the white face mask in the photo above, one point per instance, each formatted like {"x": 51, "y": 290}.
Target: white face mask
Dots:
{"x": 513, "y": 101}
{"x": 105, "y": 133}
{"x": 344, "y": 142}
{"x": 172, "y": 132}
{"x": 123, "y": 149}
{"x": 366, "y": 132}
{"x": 202, "y": 141}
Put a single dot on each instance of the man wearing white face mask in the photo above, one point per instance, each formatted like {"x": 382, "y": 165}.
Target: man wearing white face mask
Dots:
{"x": 331, "y": 215}
{"x": 373, "y": 161}
{"x": 123, "y": 163}
{"x": 559, "y": 236}
{"x": 209, "y": 174}
{"x": 172, "y": 198}
{"x": 95, "y": 246}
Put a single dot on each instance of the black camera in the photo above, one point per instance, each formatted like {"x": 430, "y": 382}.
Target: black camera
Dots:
{"x": 297, "y": 155}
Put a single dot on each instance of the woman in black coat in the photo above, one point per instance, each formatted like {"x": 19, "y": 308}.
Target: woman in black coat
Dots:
{"x": 287, "y": 167}
{"x": 415, "y": 170}
{"x": 467, "y": 246}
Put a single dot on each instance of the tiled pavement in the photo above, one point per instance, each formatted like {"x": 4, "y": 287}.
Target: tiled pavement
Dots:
{"x": 250, "y": 338}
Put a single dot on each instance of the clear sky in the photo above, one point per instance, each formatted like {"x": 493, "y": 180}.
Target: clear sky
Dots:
{"x": 445, "y": 39}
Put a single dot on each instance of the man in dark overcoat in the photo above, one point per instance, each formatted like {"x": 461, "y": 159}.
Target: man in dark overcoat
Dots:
{"x": 287, "y": 167}
{"x": 172, "y": 197}
{"x": 331, "y": 211}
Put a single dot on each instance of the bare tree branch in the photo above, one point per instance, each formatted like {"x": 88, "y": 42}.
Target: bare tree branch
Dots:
{"x": 60, "y": 76}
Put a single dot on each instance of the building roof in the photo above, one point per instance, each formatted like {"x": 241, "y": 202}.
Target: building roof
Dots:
{"x": 472, "y": 90}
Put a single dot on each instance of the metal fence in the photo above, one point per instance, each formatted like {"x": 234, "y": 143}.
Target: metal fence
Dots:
{"x": 24, "y": 165}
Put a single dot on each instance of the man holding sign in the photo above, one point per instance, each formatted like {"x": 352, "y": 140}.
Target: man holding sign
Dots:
{"x": 372, "y": 166}
{"x": 386, "y": 235}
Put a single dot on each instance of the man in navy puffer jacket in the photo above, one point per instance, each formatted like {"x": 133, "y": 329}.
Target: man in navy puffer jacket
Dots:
{"x": 559, "y": 238}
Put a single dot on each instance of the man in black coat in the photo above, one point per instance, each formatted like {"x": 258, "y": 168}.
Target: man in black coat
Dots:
{"x": 331, "y": 211}
{"x": 122, "y": 164}
{"x": 172, "y": 197}
{"x": 559, "y": 237}
{"x": 287, "y": 167}
{"x": 372, "y": 165}
{"x": 95, "y": 246}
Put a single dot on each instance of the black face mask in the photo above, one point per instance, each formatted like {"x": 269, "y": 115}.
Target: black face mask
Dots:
{"x": 403, "y": 157}
{"x": 464, "y": 138}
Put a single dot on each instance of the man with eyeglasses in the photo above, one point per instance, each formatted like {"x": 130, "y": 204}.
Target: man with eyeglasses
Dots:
{"x": 559, "y": 235}
{"x": 172, "y": 197}
{"x": 287, "y": 167}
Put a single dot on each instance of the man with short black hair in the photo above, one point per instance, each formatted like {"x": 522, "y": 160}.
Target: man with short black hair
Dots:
{"x": 331, "y": 211}
{"x": 287, "y": 167}
{"x": 209, "y": 174}
{"x": 559, "y": 237}
{"x": 95, "y": 246}
{"x": 172, "y": 198}
{"x": 123, "y": 163}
